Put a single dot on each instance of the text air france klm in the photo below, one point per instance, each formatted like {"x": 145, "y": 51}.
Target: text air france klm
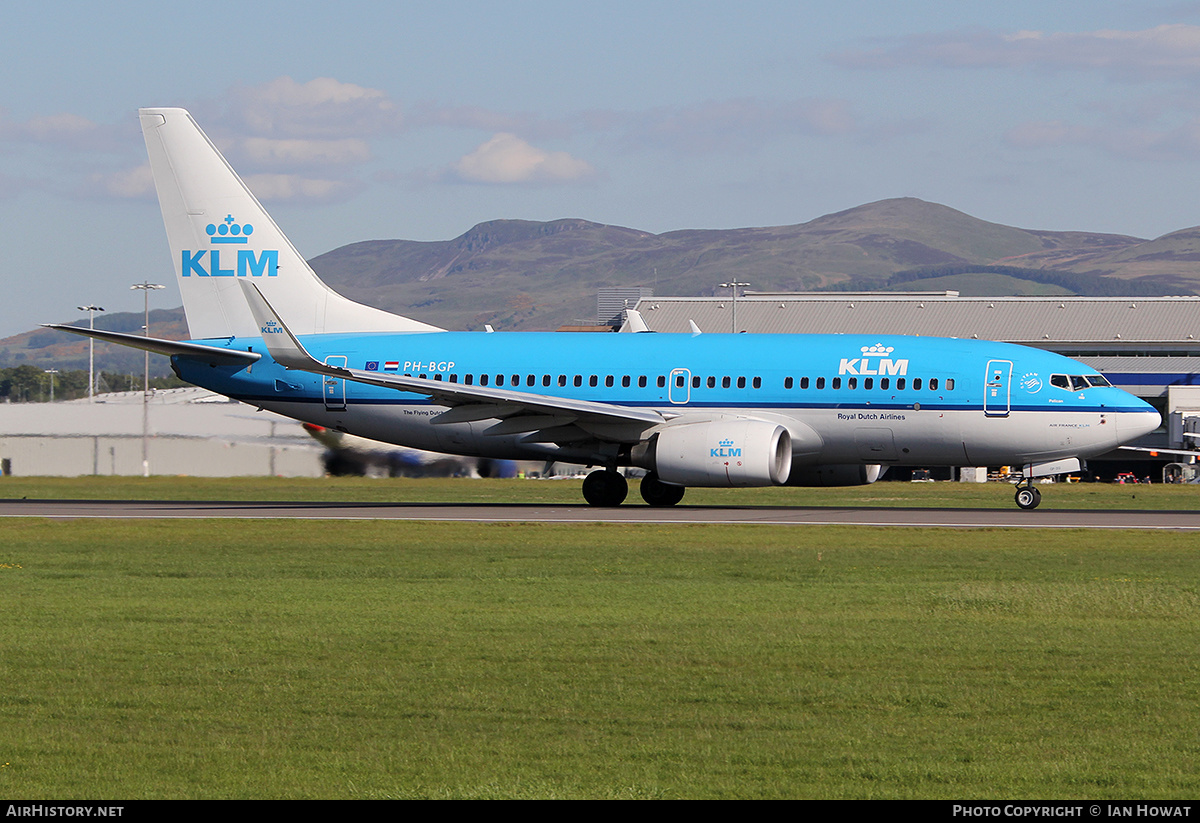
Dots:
{"x": 229, "y": 233}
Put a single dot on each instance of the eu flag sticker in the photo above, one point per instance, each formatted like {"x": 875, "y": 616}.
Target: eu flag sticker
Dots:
{"x": 372, "y": 365}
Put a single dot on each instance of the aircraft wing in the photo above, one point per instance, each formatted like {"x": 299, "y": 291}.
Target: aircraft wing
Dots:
{"x": 209, "y": 354}
{"x": 550, "y": 419}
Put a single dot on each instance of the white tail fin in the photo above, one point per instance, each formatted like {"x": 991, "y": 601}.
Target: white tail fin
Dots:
{"x": 219, "y": 232}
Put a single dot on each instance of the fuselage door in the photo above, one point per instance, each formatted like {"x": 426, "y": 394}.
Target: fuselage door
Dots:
{"x": 679, "y": 389}
{"x": 996, "y": 388}
{"x": 334, "y": 388}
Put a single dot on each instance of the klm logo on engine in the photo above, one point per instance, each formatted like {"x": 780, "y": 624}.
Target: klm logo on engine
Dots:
{"x": 271, "y": 328}
{"x": 875, "y": 359}
{"x": 207, "y": 262}
{"x": 725, "y": 449}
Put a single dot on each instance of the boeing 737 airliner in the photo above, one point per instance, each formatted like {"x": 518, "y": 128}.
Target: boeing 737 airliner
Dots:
{"x": 691, "y": 409}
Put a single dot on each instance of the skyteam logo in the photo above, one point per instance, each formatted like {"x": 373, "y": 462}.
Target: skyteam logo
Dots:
{"x": 1031, "y": 382}
{"x": 875, "y": 359}
{"x": 725, "y": 449}
{"x": 207, "y": 262}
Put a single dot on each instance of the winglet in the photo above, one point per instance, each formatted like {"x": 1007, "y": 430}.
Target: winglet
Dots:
{"x": 692, "y": 325}
{"x": 281, "y": 343}
{"x": 635, "y": 322}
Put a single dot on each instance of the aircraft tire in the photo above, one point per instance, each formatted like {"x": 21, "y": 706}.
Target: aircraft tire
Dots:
{"x": 605, "y": 488}
{"x": 657, "y": 493}
{"x": 1028, "y": 497}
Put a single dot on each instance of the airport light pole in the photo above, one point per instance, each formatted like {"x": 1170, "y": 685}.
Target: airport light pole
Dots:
{"x": 51, "y": 372}
{"x": 733, "y": 284}
{"x": 91, "y": 310}
{"x": 146, "y": 287}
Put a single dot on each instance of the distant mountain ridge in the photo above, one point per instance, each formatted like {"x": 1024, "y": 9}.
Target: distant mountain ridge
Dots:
{"x": 524, "y": 274}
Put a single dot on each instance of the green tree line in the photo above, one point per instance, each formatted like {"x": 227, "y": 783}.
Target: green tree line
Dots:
{"x": 30, "y": 384}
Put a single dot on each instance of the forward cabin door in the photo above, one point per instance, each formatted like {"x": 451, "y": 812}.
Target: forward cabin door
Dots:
{"x": 997, "y": 388}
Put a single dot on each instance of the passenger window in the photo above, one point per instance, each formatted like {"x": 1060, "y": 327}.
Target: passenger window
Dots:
{"x": 758, "y": 382}
{"x": 696, "y": 382}
{"x": 837, "y": 383}
{"x": 869, "y": 383}
{"x": 712, "y": 382}
{"x": 820, "y": 382}
{"x": 625, "y": 381}
{"x": 787, "y": 382}
{"x": 899, "y": 384}
{"x": 725, "y": 382}
{"x": 679, "y": 381}
{"x": 949, "y": 384}
{"x": 916, "y": 384}
{"x": 608, "y": 381}
{"x": 483, "y": 379}
{"x": 662, "y": 382}
{"x": 741, "y": 383}
{"x": 804, "y": 382}
{"x": 545, "y": 380}
{"x": 641, "y": 381}
{"x": 593, "y": 381}
{"x": 884, "y": 383}
{"x": 933, "y": 384}
{"x": 578, "y": 380}
{"x": 852, "y": 383}
{"x": 454, "y": 378}
{"x": 562, "y": 380}
{"x": 470, "y": 378}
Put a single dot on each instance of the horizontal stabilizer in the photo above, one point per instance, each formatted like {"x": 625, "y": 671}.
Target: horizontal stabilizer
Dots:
{"x": 199, "y": 351}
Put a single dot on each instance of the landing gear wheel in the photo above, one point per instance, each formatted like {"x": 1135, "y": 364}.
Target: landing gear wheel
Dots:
{"x": 1028, "y": 497}
{"x": 605, "y": 488}
{"x": 657, "y": 493}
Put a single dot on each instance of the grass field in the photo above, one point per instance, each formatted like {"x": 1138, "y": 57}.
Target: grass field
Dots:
{"x": 144, "y": 659}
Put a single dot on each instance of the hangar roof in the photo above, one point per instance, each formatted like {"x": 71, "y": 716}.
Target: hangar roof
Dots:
{"x": 1103, "y": 323}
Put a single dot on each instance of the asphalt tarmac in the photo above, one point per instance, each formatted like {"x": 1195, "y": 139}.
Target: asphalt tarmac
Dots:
{"x": 1046, "y": 518}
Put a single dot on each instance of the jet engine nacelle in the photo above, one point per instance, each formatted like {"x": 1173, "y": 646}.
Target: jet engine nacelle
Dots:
{"x": 727, "y": 452}
{"x": 850, "y": 474}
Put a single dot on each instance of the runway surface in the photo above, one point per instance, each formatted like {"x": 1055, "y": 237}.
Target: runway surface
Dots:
{"x": 542, "y": 513}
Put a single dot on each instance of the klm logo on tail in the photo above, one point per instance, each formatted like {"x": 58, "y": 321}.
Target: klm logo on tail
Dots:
{"x": 227, "y": 233}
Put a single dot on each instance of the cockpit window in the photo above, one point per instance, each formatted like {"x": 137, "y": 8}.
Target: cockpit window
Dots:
{"x": 1077, "y": 382}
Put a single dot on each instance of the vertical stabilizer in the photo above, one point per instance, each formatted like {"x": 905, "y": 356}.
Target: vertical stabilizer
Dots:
{"x": 220, "y": 233}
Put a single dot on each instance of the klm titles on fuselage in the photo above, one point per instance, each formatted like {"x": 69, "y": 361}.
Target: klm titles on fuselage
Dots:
{"x": 884, "y": 366}
{"x": 248, "y": 263}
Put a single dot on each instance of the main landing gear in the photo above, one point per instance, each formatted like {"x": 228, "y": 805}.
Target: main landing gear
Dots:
{"x": 1027, "y": 496}
{"x": 607, "y": 488}
{"x": 657, "y": 493}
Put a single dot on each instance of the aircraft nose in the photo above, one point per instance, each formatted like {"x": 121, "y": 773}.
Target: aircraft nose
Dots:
{"x": 1134, "y": 424}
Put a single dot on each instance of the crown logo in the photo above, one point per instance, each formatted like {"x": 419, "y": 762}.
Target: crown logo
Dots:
{"x": 725, "y": 444}
{"x": 878, "y": 350}
{"x": 227, "y": 231}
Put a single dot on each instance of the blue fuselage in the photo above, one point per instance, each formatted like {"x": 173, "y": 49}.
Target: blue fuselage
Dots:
{"x": 848, "y": 399}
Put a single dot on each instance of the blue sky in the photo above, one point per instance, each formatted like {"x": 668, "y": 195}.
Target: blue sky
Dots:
{"x": 357, "y": 121}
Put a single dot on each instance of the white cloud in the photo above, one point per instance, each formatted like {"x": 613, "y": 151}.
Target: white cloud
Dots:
{"x": 1167, "y": 50}
{"x": 295, "y": 188}
{"x": 299, "y": 152}
{"x": 1139, "y": 143}
{"x": 506, "y": 158}
{"x": 133, "y": 183}
{"x": 322, "y": 107}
